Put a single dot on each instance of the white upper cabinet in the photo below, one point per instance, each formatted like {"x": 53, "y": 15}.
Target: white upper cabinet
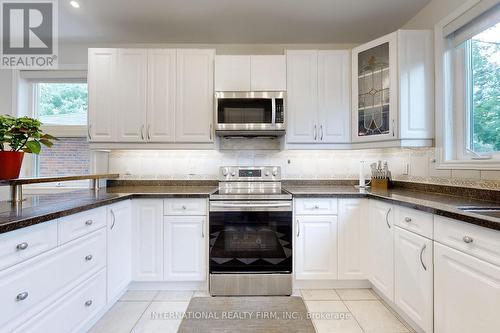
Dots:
{"x": 268, "y": 73}
{"x": 101, "y": 90}
{"x": 194, "y": 111}
{"x": 232, "y": 73}
{"x": 318, "y": 96}
{"x": 160, "y": 113}
{"x": 131, "y": 89}
{"x": 392, "y": 88}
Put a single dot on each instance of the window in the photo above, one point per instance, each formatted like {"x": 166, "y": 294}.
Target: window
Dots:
{"x": 61, "y": 104}
{"x": 468, "y": 88}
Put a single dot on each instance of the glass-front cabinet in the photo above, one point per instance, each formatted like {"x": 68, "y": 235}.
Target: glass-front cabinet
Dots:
{"x": 375, "y": 90}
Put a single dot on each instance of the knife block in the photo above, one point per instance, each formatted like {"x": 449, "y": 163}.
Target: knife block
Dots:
{"x": 380, "y": 184}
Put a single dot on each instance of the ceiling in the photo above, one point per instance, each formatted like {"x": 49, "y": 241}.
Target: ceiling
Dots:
{"x": 232, "y": 21}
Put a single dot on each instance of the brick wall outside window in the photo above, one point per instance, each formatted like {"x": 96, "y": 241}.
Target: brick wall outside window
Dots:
{"x": 68, "y": 156}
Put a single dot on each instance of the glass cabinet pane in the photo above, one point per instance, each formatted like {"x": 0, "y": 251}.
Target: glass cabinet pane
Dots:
{"x": 373, "y": 91}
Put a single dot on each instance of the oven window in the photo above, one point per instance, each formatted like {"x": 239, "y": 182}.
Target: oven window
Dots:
{"x": 250, "y": 242}
{"x": 245, "y": 111}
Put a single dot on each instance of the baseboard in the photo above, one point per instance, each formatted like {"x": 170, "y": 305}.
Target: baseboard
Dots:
{"x": 330, "y": 284}
{"x": 164, "y": 285}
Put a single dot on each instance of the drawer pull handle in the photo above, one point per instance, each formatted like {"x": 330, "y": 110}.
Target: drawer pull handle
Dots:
{"x": 316, "y": 206}
{"x": 88, "y": 303}
{"x": 89, "y": 222}
{"x": 22, "y": 246}
{"x": 114, "y": 219}
{"x": 408, "y": 219}
{"x": 421, "y": 259}
{"x": 298, "y": 228}
{"x": 184, "y": 207}
{"x": 22, "y": 296}
{"x": 387, "y": 218}
{"x": 468, "y": 239}
{"x": 88, "y": 258}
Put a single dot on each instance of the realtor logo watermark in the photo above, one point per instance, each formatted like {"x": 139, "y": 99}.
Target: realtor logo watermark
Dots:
{"x": 28, "y": 34}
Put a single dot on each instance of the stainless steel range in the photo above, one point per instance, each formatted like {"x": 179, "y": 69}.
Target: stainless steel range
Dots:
{"x": 250, "y": 233}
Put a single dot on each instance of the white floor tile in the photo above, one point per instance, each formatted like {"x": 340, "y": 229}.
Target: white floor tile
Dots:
{"x": 332, "y": 316}
{"x": 139, "y": 295}
{"x": 120, "y": 318}
{"x": 356, "y": 294}
{"x": 173, "y": 296}
{"x": 319, "y": 295}
{"x": 374, "y": 317}
{"x": 200, "y": 293}
{"x": 161, "y": 317}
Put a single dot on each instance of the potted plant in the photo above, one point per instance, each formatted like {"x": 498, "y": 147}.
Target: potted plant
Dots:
{"x": 19, "y": 136}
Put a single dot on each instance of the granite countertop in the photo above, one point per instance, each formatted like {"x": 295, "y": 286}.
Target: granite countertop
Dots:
{"x": 439, "y": 204}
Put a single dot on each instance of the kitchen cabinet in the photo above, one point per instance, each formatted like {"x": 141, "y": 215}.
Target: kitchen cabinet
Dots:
{"x": 413, "y": 277}
{"x": 194, "y": 103}
{"x": 392, "y": 88}
{"x": 318, "y": 96}
{"x": 232, "y": 73}
{"x": 119, "y": 243}
{"x": 466, "y": 292}
{"x": 316, "y": 247}
{"x": 147, "y": 240}
{"x": 102, "y": 94}
{"x": 185, "y": 248}
{"x": 381, "y": 247}
{"x": 353, "y": 239}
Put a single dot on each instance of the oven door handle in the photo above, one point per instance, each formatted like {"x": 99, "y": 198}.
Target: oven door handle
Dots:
{"x": 250, "y": 207}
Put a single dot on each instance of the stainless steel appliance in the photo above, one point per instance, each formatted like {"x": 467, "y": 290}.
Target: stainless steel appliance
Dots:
{"x": 250, "y": 231}
{"x": 250, "y": 113}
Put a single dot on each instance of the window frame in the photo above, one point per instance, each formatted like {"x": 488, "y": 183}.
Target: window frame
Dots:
{"x": 453, "y": 101}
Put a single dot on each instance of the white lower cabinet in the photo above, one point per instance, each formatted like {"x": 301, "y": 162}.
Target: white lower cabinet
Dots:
{"x": 147, "y": 240}
{"x": 185, "y": 248}
{"x": 466, "y": 292}
{"x": 353, "y": 239}
{"x": 413, "y": 277}
{"x": 71, "y": 312}
{"x": 119, "y": 241}
{"x": 381, "y": 247}
{"x": 316, "y": 247}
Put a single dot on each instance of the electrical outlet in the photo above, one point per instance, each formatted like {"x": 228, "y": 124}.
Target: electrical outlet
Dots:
{"x": 406, "y": 172}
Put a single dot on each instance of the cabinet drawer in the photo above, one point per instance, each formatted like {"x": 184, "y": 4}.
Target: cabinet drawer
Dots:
{"x": 72, "y": 311}
{"x": 31, "y": 286}
{"x": 421, "y": 223}
{"x": 74, "y": 226}
{"x": 477, "y": 241}
{"x": 185, "y": 207}
{"x": 19, "y": 245}
{"x": 316, "y": 206}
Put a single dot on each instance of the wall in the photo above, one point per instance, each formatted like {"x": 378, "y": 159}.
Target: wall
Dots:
{"x": 433, "y": 13}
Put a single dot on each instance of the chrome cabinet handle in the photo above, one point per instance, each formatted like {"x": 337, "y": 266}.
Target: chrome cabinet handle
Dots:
{"x": 149, "y": 132}
{"x": 88, "y": 257}
{"x": 22, "y": 246}
{"x": 421, "y": 259}
{"x": 408, "y": 219}
{"x": 22, "y": 296}
{"x": 202, "y": 230}
{"x": 315, "y": 133}
{"x": 387, "y": 218}
{"x": 393, "y": 134}
{"x": 142, "y": 132}
{"x": 321, "y": 132}
{"x": 468, "y": 239}
{"x": 89, "y": 222}
{"x": 298, "y": 228}
{"x": 211, "y": 129}
{"x": 89, "y": 130}
{"x": 88, "y": 303}
{"x": 114, "y": 219}
{"x": 184, "y": 207}
{"x": 316, "y": 206}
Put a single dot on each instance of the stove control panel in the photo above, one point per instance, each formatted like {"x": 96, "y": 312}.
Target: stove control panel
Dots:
{"x": 248, "y": 174}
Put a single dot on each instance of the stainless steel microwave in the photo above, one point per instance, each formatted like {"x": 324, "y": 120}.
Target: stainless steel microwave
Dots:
{"x": 250, "y": 113}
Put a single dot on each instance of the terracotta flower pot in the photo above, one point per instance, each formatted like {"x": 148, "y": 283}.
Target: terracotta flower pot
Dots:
{"x": 10, "y": 164}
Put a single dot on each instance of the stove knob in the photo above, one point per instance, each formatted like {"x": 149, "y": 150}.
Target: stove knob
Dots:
{"x": 225, "y": 171}
{"x": 233, "y": 174}
{"x": 275, "y": 172}
{"x": 267, "y": 173}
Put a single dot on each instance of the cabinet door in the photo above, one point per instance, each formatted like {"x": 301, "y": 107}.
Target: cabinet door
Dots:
{"x": 334, "y": 94}
{"x": 185, "y": 248}
{"x": 413, "y": 274}
{"x": 102, "y": 94}
{"x": 131, "y": 95}
{"x": 161, "y": 95}
{"x": 119, "y": 241}
{"x": 375, "y": 90}
{"x": 147, "y": 240}
{"x": 194, "y": 112}
{"x": 466, "y": 293}
{"x": 353, "y": 239}
{"x": 232, "y": 73}
{"x": 316, "y": 247}
{"x": 381, "y": 250}
{"x": 302, "y": 96}
{"x": 268, "y": 73}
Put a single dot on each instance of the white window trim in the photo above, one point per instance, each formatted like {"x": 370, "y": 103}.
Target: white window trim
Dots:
{"x": 450, "y": 122}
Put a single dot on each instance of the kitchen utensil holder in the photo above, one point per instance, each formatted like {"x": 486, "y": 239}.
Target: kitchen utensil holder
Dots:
{"x": 380, "y": 183}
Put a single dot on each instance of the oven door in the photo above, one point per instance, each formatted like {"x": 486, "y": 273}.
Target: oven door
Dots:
{"x": 250, "y": 237}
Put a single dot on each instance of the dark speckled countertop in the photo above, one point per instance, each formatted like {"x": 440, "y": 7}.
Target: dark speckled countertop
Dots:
{"x": 41, "y": 208}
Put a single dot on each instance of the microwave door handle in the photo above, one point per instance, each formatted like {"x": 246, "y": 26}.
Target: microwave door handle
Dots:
{"x": 273, "y": 110}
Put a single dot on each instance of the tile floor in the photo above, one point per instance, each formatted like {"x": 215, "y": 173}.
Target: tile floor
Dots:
{"x": 334, "y": 311}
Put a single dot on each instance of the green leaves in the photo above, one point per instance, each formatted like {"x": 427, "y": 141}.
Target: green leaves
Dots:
{"x": 23, "y": 134}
